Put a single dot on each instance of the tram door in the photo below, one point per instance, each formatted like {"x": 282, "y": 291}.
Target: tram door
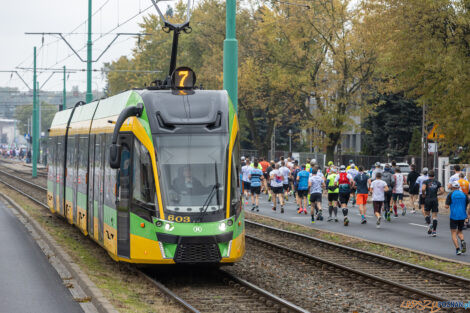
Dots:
{"x": 74, "y": 170}
{"x": 91, "y": 182}
{"x": 60, "y": 174}
{"x": 52, "y": 161}
{"x": 123, "y": 199}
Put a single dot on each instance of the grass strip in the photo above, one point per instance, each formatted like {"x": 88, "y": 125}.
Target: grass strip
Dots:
{"x": 405, "y": 255}
{"x": 120, "y": 284}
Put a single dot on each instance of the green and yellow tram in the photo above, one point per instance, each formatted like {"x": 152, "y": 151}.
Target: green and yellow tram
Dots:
{"x": 151, "y": 175}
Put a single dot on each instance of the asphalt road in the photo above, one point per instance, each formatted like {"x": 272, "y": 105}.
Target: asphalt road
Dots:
{"x": 407, "y": 231}
{"x": 28, "y": 283}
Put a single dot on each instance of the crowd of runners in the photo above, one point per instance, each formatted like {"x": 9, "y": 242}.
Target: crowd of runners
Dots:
{"x": 352, "y": 185}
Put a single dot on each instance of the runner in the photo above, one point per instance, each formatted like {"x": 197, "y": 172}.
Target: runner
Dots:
{"x": 457, "y": 201}
{"x": 378, "y": 169}
{"x": 330, "y": 165}
{"x": 454, "y": 177}
{"x": 316, "y": 184}
{"x": 302, "y": 189}
{"x": 353, "y": 171}
{"x": 387, "y": 177}
{"x": 398, "y": 180}
{"x": 285, "y": 172}
{"x": 413, "y": 187}
{"x": 378, "y": 188}
{"x": 431, "y": 189}
{"x": 307, "y": 165}
{"x": 394, "y": 166}
{"x": 264, "y": 166}
{"x": 271, "y": 167}
{"x": 277, "y": 187}
{"x": 246, "y": 181}
{"x": 255, "y": 176}
{"x": 296, "y": 171}
{"x": 345, "y": 183}
{"x": 464, "y": 187}
{"x": 332, "y": 195}
{"x": 362, "y": 187}
{"x": 421, "y": 179}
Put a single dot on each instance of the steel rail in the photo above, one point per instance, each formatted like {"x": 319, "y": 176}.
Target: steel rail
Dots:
{"x": 26, "y": 195}
{"x": 463, "y": 281}
{"x": 24, "y": 181}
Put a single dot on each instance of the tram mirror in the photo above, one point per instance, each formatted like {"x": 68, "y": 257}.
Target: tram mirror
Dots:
{"x": 115, "y": 156}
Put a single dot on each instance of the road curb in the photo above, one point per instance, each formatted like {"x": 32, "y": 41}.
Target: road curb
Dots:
{"x": 366, "y": 240}
{"x": 89, "y": 296}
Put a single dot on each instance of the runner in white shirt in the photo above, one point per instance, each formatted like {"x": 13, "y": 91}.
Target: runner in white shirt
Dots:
{"x": 277, "y": 181}
{"x": 398, "y": 180}
{"x": 420, "y": 180}
{"x": 285, "y": 172}
{"x": 246, "y": 170}
{"x": 455, "y": 177}
{"x": 378, "y": 188}
{"x": 352, "y": 170}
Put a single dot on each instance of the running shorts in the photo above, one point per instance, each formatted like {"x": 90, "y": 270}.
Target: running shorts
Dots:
{"x": 246, "y": 185}
{"x": 286, "y": 187}
{"x": 344, "y": 197}
{"x": 397, "y": 196}
{"x": 421, "y": 200}
{"x": 457, "y": 224}
{"x": 414, "y": 190}
{"x": 302, "y": 193}
{"x": 332, "y": 197}
{"x": 277, "y": 190}
{"x": 315, "y": 197}
{"x": 378, "y": 206}
{"x": 256, "y": 190}
{"x": 265, "y": 176}
{"x": 431, "y": 205}
{"x": 361, "y": 198}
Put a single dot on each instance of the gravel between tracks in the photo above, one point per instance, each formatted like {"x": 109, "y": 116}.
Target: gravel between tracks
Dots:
{"x": 313, "y": 288}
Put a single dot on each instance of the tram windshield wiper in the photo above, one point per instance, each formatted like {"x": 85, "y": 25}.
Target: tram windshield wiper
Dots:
{"x": 214, "y": 190}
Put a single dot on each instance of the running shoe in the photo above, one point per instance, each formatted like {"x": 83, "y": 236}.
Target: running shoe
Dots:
{"x": 413, "y": 211}
{"x": 396, "y": 215}
{"x": 274, "y": 208}
{"x": 403, "y": 212}
{"x": 458, "y": 252}
{"x": 388, "y": 217}
{"x": 430, "y": 230}
{"x": 346, "y": 221}
{"x": 378, "y": 222}
{"x": 336, "y": 220}
{"x": 282, "y": 209}
{"x": 434, "y": 233}
{"x": 330, "y": 219}
{"x": 319, "y": 216}
{"x": 257, "y": 209}
{"x": 363, "y": 221}
{"x": 463, "y": 245}
{"x": 269, "y": 198}
{"x": 253, "y": 208}
{"x": 313, "y": 220}
{"x": 305, "y": 210}
{"x": 300, "y": 210}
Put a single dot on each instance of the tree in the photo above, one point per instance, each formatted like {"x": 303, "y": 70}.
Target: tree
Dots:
{"x": 415, "y": 143}
{"x": 25, "y": 112}
{"x": 423, "y": 49}
{"x": 390, "y": 127}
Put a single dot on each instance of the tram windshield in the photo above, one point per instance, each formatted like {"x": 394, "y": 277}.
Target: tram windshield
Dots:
{"x": 192, "y": 172}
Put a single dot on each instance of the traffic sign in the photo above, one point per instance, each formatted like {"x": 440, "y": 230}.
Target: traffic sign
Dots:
{"x": 433, "y": 134}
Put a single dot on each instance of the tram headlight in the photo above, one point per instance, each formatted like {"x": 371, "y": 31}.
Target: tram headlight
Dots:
{"x": 222, "y": 226}
{"x": 159, "y": 223}
{"x": 169, "y": 227}
{"x": 229, "y": 223}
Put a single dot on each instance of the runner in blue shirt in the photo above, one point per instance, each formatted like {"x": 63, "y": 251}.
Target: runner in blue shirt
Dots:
{"x": 296, "y": 171}
{"x": 255, "y": 176}
{"x": 302, "y": 189}
{"x": 457, "y": 201}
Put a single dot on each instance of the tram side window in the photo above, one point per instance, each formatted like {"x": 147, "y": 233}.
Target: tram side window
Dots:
{"x": 110, "y": 177}
{"x": 144, "y": 184}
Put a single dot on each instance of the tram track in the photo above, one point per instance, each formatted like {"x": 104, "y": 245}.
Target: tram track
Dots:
{"x": 406, "y": 279}
{"x": 219, "y": 291}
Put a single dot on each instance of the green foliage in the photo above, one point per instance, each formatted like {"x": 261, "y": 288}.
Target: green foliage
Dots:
{"x": 389, "y": 129}
{"x": 24, "y": 112}
{"x": 415, "y": 143}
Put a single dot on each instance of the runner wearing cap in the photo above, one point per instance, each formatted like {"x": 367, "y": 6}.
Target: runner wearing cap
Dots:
{"x": 302, "y": 189}
{"x": 457, "y": 202}
{"x": 246, "y": 180}
{"x": 378, "y": 169}
{"x": 332, "y": 194}
{"x": 316, "y": 184}
{"x": 353, "y": 171}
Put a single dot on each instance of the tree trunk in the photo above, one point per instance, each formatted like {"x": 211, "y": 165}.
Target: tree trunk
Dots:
{"x": 330, "y": 148}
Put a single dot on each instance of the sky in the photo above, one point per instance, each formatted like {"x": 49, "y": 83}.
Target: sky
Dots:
{"x": 20, "y": 16}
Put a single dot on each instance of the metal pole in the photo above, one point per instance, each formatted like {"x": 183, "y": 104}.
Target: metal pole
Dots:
{"x": 89, "y": 94}
{"x": 64, "y": 95}
{"x": 231, "y": 53}
{"x": 290, "y": 141}
{"x": 35, "y": 121}
{"x": 39, "y": 121}
{"x": 422, "y": 137}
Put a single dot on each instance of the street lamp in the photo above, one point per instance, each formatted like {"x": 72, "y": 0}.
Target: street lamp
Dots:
{"x": 290, "y": 142}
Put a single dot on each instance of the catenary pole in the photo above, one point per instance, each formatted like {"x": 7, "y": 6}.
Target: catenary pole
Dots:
{"x": 64, "y": 94}
{"x": 35, "y": 121}
{"x": 89, "y": 94}
{"x": 231, "y": 53}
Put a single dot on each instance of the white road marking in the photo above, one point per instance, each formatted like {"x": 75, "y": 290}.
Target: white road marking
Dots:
{"x": 418, "y": 225}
